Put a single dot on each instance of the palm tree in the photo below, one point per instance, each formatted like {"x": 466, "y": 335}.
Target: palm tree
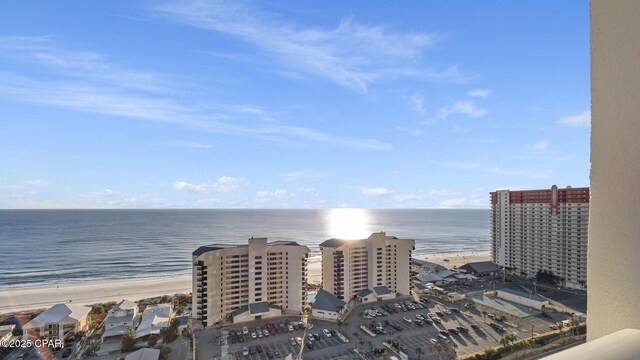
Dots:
{"x": 507, "y": 339}
{"x": 574, "y": 323}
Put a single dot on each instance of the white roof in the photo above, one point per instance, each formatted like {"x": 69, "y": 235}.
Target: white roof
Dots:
{"x": 59, "y": 314}
{"x": 144, "y": 354}
{"x": 125, "y": 304}
{"x": 154, "y": 318}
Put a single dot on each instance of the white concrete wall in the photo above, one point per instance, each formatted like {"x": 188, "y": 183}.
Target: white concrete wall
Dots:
{"x": 323, "y": 314}
{"x": 614, "y": 226}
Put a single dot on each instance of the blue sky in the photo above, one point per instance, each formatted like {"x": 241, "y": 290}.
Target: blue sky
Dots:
{"x": 290, "y": 104}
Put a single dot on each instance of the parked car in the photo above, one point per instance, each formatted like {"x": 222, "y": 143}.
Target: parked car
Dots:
{"x": 453, "y": 331}
{"x": 265, "y": 332}
{"x": 298, "y": 340}
{"x": 310, "y": 337}
{"x": 245, "y": 330}
{"x": 290, "y": 328}
{"x": 292, "y": 341}
{"x": 254, "y": 335}
{"x": 433, "y": 341}
{"x": 462, "y": 328}
{"x": 245, "y": 351}
{"x": 259, "y": 349}
{"x": 475, "y": 327}
{"x": 334, "y": 333}
{"x": 309, "y": 345}
{"x": 326, "y": 333}
{"x": 406, "y": 319}
{"x": 316, "y": 336}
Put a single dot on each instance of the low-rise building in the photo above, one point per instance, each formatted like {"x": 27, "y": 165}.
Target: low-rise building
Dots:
{"x": 120, "y": 319}
{"x": 144, "y": 354}
{"x": 375, "y": 294}
{"x": 327, "y": 306}
{"x": 481, "y": 268}
{"x": 522, "y": 298}
{"x": 57, "y": 321}
{"x": 154, "y": 319}
{"x": 255, "y": 311}
{"x": 428, "y": 266}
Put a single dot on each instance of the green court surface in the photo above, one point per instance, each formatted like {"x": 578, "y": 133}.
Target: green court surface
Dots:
{"x": 505, "y": 306}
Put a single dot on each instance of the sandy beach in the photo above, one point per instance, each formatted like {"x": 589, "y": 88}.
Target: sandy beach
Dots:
{"x": 102, "y": 291}
{"x": 90, "y": 293}
{"x": 457, "y": 259}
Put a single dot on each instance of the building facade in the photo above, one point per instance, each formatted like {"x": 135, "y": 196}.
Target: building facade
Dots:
{"x": 537, "y": 230}
{"x": 228, "y": 277}
{"x": 350, "y": 266}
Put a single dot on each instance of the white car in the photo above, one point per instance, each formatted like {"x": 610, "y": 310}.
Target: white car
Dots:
{"x": 245, "y": 330}
{"x": 433, "y": 341}
{"x": 326, "y": 333}
{"x": 245, "y": 351}
{"x": 299, "y": 340}
{"x": 254, "y": 335}
{"x": 406, "y": 319}
{"x": 265, "y": 332}
{"x": 419, "y": 317}
{"x": 290, "y": 328}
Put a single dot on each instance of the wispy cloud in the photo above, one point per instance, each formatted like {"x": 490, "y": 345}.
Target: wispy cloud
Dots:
{"x": 295, "y": 175}
{"x": 463, "y": 107}
{"x": 462, "y": 165}
{"x": 139, "y": 95}
{"x": 414, "y": 132}
{"x": 224, "y": 184}
{"x": 424, "y": 195}
{"x": 186, "y": 144}
{"x": 579, "y": 120}
{"x": 275, "y": 194}
{"x": 36, "y": 182}
{"x": 542, "y": 145}
{"x": 480, "y": 93}
{"x": 352, "y": 54}
{"x": 418, "y": 103}
{"x": 375, "y": 191}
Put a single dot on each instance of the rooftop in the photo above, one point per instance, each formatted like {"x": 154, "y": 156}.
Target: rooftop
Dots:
{"x": 214, "y": 247}
{"x": 327, "y": 301}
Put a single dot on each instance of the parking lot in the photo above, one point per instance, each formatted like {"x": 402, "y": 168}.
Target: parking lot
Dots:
{"x": 410, "y": 336}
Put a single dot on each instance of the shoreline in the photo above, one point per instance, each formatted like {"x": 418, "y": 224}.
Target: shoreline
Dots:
{"x": 100, "y": 291}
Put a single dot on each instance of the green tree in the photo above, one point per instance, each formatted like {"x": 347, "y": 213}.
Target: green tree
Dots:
{"x": 507, "y": 339}
{"x": 152, "y": 340}
{"x": 129, "y": 340}
{"x": 164, "y": 353}
{"x": 574, "y": 323}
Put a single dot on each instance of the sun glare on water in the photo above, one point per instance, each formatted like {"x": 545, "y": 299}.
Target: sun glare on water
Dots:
{"x": 348, "y": 223}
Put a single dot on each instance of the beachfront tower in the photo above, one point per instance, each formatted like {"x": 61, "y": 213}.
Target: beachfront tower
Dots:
{"x": 249, "y": 281}
{"x": 351, "y": 266}
{"x": 546, "y": 229}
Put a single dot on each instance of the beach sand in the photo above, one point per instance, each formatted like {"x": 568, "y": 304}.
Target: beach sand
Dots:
{"x": 457, "y": 259}
{"x": 30, "y": 298}
{"x": 12, "y": 300}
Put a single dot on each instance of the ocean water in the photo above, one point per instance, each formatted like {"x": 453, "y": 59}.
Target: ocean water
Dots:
{"x": 39, "y": 247}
